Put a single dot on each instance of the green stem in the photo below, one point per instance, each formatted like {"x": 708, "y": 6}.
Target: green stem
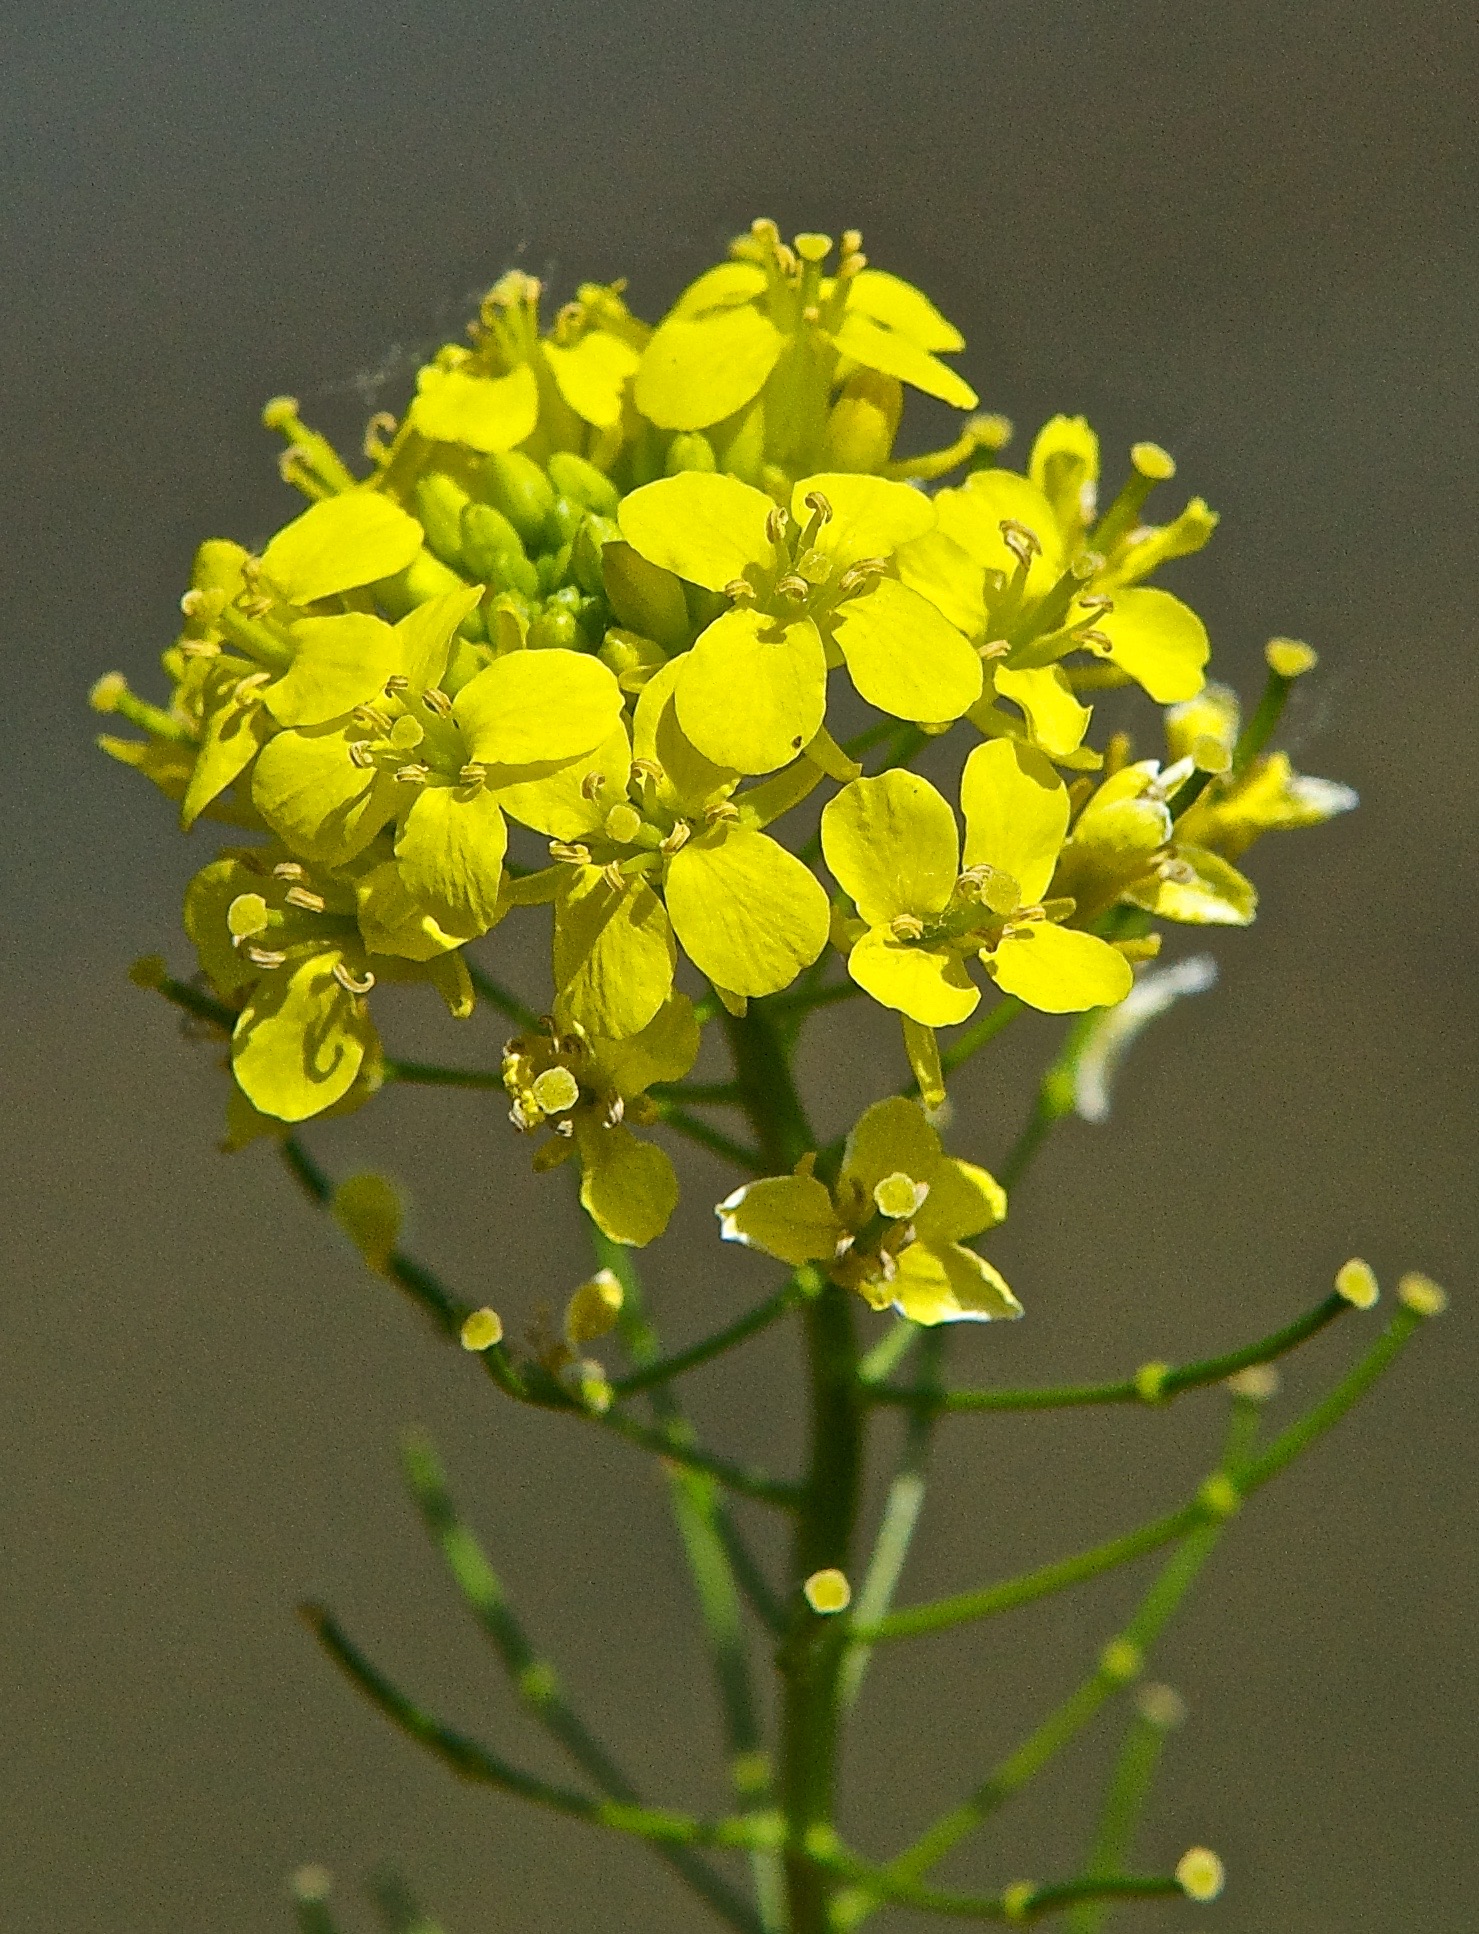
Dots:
{"x": 428, "y": 1074}
{"x": 874, "y": 1885}
{"x": 1125, "y": 1800}
{"x": 712, "y": 1094}
{"x": 195, "y": 1001}
{"x": 1160, "y": 1387}
{"x": 710, "y": 1138}
{"x": 498, "y": 996}
{"x": 1217, "y": 1495}
{"x": 534, "y": 1678}
{"x": 662, "y": 1369}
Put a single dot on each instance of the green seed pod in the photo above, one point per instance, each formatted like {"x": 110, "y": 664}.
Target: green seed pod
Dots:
{"x": 515, "y": 484}
{"x": 486, "y": 535}
{"x": 690, "y": 450}
{"x": 645, "y": 597}
{"x": 573, "y": 477}
{"x": 438, "y": 503}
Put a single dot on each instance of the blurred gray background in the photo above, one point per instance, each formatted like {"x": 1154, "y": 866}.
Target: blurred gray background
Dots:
{"x": 1247, "y": 232}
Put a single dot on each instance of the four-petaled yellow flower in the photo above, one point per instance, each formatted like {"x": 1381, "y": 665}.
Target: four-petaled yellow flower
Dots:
{"x": 894, "y": 1226}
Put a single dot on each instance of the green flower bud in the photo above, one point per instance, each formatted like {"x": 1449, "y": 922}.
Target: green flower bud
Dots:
{"x": 552, "y": 566}
{"x": 515, "y": 484}
{"x": 512, "y": 571}
{"x": 585, "y": 553}
{"x": 573, "y": 477}
{"x": 863, "y": 422}
{"x": 563, "y": 519}
{"x": 645, "y": 597}
{"x": 486, "y": 534}
{"x": 368, "y": 1210}
{"x": 690, "y": 450}
{"x": 555, "y": 629}
{"x": 438, "y": 503}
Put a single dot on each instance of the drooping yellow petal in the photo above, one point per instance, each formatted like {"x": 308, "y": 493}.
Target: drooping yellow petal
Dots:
{"x": 790, "y": 1217}
{"x": 749, "y": 914}
{"x": 1065, "y": 467}
{"x": 889, "y": 1138}
{"x": 321, "y": 805}
{"x": 592, "y": 375}
{"x": 300, "y": 1040}
{"x": 1215, "y": 895}
{"x": 613, "y": 954}
{"x": 928, "y": 984}
{"x": 1213, "y": 714}
{"x": 339, "y": 544}
{"x": 963, "y": 1200}
{"x": 1016, "y": 814}
{"x": 951, "y": 1285}
{"x": 1114, "y": 845}
{"x": 207, "y": 901}
{"x": 1059, "y": 970}
{"x": 898, "y": 305}
{"x": 752, "y": 693}
{"x": 892, "y": 845}
{"x": 875, "y": 346}
{"x": 1158, "y": 640}
{"x": 570, "y": 804}
{"x": 485, "y": 413}
{"x": 338, "y": 663}
{"x": 450, "y": 850}
{"x": 938, "y": 568}
{"x": 627, "y": 1186}
{"x": 870, "y": 517}
{"x": 532, "y": 706}
{"x": 695, "y": 372}
{"x": 1055, "y": 718}
{"x": 391, "y": 922}
{"x": 693, "y": 782}
{"x": 236, "y": 729}
{"x": 664, "y": 1050}
{"x": 904, "y": 657}
{"x": 704, "y": 526}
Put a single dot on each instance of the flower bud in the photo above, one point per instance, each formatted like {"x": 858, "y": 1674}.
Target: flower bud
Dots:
{"x": 485, "y": 536}
{"x": 573, "y": 477}
{"x": 438, "y": 503}
{"x": 1200, "y": 1873}
{"x": 1356, "y": 1281}
{"x": 593, "y": 1309}
{"x": 864, "y": 422}
{"x": 645, "y": 597}
{"x": 828, "y": 1591}
{"x": 368, "y": 1210}
{"x": 690, "y": 450}
{"x": 482, "y": 1330}
{"x": 1421, "y": 1294}
{"x": 515, "y": 484}
{"x": 1289, "y": 658}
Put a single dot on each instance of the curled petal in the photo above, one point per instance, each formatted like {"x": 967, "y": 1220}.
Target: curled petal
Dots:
{"x": 950, "y": 1284}
{"x": 790, "y": 1217}
{"x": 300, "y": 1040}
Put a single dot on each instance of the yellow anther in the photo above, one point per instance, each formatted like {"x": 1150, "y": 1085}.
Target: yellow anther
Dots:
{"x": 1016, "y": 1902}
{"x": 1019, "y": 540}
{"x": 361, "y": 755}
{"x": 1218, "y": 1496}
{"x": 1256, "y": 1384}
{"x": 555, "y": 1090}
{"x": 305, "y": 898}
{"x": 482, "y": 1330}
{"x": 593, "y": 1309}
{"x": 852, "y": 241}
{"x": 1153, "y": 462}
{"x": 437, "y": 701}
{"x": 1289, "y": 657}
{"x": 814, "y": 500}
{"x": 993, "y": 649}
{"x": 738, "y": 588}
{"x": 1150, "y": 1381}
{"x": 899, "y": 1196}
{"x": 721, "y": 811}
{"x": 1201, "y": 1874}
{"x": 570, "y": 854}
{"x": 265, "y": 957}
{"x": 108, "y": 693}
{"x": 906, "y": 926}
{"x": 280, "y": 413}
{"x": 1209, "y": 754}
{"x": 793, "y": 587}
{"x": 247, "y": 915}
{"x": 680, "y": 836}
{"x": 351, "y": 982}
{"x": 1356, "y": 1281}
{"x": 623, "y": 823}
{"x": 777, "y": 524}
{"x": 612, "y": 874}
{"x": 811, "y": 313}
{"x": 472, "y": 774}
{"x": 827, "y": 1591}
{"x": 1121, "y": 1661}
{"x": 592, "y": 783}
{"x": 1177, "y": 871}
{"x": 415, "y": 774}
{"x": 1421, "y": 1294}
{"x": 289, "y": 870}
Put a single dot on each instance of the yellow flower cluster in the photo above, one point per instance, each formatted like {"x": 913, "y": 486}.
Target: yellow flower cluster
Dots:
{"x": 593, "y": 587}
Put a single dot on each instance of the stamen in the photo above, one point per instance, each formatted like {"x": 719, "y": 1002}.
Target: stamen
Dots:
{"x": 288, "y": 870}
{"x": 777, "y": 524}
{"x": 264, "y": 957}
{"x": 738, "y": 588}
{"x": 795, "y": 588}
{"x": 570, "y": 854}
{"x": 614, "y": 877}
{"x": 473, "y": 773}
{"x": 721, "y": 811}
{"x": 397, "y": 682}
{"x": 592, "y": 784}
{"x": 680, "y": 836}
{"x": 415, "y": 774}
{"x": 1023, "y": 543}
{"x": 814, "y": 500}
{"x": 193, "y": 603}
{"x": 250, "y": 683}
{"x": 199, "y": 648}
{"x": 861, "y": 575}
{"x": 905, "y": 926}
{"x": 437, "y": 701}
{"x": 349, "y": 982}
{"x": 306, "y": 898}
{"x": 360, "y": 755}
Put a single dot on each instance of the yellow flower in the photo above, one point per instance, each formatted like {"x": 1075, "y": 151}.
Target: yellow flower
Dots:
{"x": 1264, "y": 796}
{"x": 893, "y": 1228}
{"x": 809, "y": 590}
{"x": 588, "y": 1091}
{"x": 893, "y": 846}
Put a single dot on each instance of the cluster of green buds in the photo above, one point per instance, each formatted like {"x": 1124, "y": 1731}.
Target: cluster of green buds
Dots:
{"x": 612, "y": 586}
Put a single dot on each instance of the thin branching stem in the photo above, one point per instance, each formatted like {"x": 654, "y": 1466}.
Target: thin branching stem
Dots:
{"x": 498, "y": 996}
{"x": 663, "y": 1369}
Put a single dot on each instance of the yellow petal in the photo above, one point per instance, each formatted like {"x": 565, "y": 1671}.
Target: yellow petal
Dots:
{"x": 627, "y": 1186}
{"x": 1059, "y": 970}
{"x": 391, "y": 922}
{"x": 485, "y": 413}
{"x": 1054, "y": 716}
{"x": 973, "y": 516}
{"x": 235, "y": 732}
{"x": 338, "y": 663}
{"x": 568, "y": 804}
{"x": 892, "y": 846}
{"x": 1158, "y": 640}
{"x": 424, "y": 637}
{"x": 899, "y": 305}
{"x": 725, "y": 286}
{"x": 1016, "y": 814}
{"x": 532, "y": 706}
{"x": 693, "y": 373}
{"x": 938, "y": 568}
{"x": 790, "y": 1217}
{"x": 1065, "y": 467}
{"x": 613, "y": 954}
{"x": 343, "y": 542}
{"x": 1113, "y": 847}
{"x": 871, "y": 517}
{"x": 1216, "y": 895}
{"x": 664, "y": 1050}
{"x": 704, "y": 526}
{"x": 751, "y": 693}
{"x": 592, "y": 375}
{"x": 693, "y": 782}
{"x": 904, "y": 657}
{"x": 928, "y": 984}
{"x": 749, "y": 914}
{"x": 321, "y": 805}
{"x": 450, "y": 850}
{"x": 963, "y": 1200}
{"x": 951, "y": 1285}
{"x": 870, "y": 343}
{"x": 891, "y": 1137}
{"x": 300, "y": 1040}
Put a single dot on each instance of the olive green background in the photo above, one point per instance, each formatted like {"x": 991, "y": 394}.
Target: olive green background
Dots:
{"x": 1247, "y": 232}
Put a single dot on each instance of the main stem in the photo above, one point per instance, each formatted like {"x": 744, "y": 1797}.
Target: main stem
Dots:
{"x": 811, "y": 1655}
